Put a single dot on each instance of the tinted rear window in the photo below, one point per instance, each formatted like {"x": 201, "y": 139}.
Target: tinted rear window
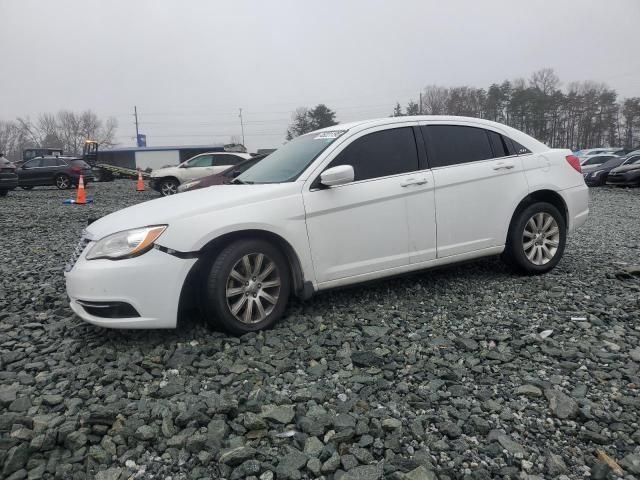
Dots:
{"x": 497, "y": 144}
{"x": 455, "y": 144}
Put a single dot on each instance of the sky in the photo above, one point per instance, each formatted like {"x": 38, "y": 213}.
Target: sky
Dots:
{"x": 189, "y": 66}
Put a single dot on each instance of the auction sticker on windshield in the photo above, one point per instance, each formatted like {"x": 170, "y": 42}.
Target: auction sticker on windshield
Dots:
{"x": 331, "y": 134}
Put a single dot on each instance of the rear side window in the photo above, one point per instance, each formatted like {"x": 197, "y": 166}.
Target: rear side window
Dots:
{"x": 80, "y": 163}
{"x": 520, "y": 149}
{"x": 380, "y": 154}
{"x": 454, "y": 144}
{"x": 49, "y": 162}
{"x": 498, "y": 144}
{"x": 224, "y": 159}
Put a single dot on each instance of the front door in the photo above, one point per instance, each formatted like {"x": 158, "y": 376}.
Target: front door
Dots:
{"x": 363, "y": 227}
{"x": 197, "y": 167}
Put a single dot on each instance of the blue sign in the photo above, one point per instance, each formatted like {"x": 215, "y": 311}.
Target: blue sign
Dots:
{"x": 142, "y": 140}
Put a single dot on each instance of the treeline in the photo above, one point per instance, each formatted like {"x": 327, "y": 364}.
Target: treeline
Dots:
{"x": 582, "y": 115}
{"x": 66, "y": 130}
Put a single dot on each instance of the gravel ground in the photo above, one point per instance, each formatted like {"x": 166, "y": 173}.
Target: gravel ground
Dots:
{"x": 466, "y": 372}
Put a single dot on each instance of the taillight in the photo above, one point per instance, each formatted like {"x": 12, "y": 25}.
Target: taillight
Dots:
{"x": 574, "y": 162}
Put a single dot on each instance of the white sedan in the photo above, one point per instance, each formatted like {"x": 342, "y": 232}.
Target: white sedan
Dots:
{"x": 167, "y": 180}
{"x": 338, "y": 206}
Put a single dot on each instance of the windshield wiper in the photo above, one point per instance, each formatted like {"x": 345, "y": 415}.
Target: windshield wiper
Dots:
{"x": 237, "y": 181}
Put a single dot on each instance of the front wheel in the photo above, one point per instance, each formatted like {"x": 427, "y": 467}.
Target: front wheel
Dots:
{"x": 168, "y": 187}
{"x": 536, "y": 239}
{"x": 248, "y": 286}
{"x": 63, "y": 182}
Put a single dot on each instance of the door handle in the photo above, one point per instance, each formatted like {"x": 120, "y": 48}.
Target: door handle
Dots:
{"x": 503, "y": 166}
{"x": 414, "y": 181}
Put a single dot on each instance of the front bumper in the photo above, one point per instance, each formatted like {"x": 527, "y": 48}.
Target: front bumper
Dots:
{"x": 150, "y": 283}
{"x": 154, "y": 184}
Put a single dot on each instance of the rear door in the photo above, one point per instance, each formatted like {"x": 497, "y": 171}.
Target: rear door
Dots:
{"x": 49, "y": 168}
{"x": 479, "y": 181}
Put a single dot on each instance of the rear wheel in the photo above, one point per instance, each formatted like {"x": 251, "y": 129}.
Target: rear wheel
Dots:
{"x": 247, "y": 287}
{"x": 168, "y": 187}
{"x": 536, "y": 239}
{"x": 63, "y": 182}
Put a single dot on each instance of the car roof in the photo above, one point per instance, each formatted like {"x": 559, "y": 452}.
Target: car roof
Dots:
{"x": 517, "y": 135}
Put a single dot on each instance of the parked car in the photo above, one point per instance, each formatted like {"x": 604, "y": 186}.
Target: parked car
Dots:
{"x": 63, "y": 172}
{"x": 338, "y": 206}
{"x": 221, "y": 178}
{"x": 596, "y": 175}
{"x": 627, "y": 174}
{"x": 594, "y": 160}
{"x": 595, "y": 151}
{"x": 166, "y": 180}
{"x": 8, "y": 176}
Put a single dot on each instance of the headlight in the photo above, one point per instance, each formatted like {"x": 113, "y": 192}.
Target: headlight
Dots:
{"x": 126, "y": 244}
{"x": 188, "y": 185}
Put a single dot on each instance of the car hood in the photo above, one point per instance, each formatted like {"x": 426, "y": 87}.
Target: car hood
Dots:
{"x": 164, "y": 172}
{"x": 626, "y": 168}
{"x": 164, "y": 211}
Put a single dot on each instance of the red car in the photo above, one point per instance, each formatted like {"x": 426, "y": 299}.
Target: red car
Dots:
{"x": 221, "y": 178}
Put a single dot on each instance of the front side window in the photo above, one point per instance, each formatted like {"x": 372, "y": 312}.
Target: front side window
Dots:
{"x": 201, "y": 161}
{"x": 288, "y": 162}
{"x": 225, "y": 159}
{"x": 380, "y": 154}
{"x": 453, "y": 144}
{"x": 32, "y": 163}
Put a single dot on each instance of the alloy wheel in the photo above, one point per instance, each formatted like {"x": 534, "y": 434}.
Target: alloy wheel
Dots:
{"x": 541, "y": 238}
{"x": 169, "y": 188}
{"x": 63, "y": 182}
{"x": 253, "y": 288}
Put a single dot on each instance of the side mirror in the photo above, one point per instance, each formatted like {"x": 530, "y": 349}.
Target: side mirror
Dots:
{"x": 339, "y": 175}
{"x": 235, "y": 173}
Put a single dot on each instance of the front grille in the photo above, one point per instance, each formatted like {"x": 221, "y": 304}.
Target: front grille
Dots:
{"x": 82, "y": 244}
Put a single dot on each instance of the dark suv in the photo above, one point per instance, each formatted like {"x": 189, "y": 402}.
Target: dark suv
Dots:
{"x": 8, "y": 177}
{"x": 59, "y": 171}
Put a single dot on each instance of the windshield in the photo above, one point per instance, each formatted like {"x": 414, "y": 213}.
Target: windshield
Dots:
{"x": 289, "y": 161}
{"x": 635, "y": 160}
{"x": 614, "y": 162}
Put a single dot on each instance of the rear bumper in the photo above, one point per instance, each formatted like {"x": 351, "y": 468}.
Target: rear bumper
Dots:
{"x": 577, "y": 201}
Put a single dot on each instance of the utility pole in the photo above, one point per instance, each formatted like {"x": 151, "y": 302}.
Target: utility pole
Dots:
{"x": 241, "y": 126}
{"x": 135, "y": 114}
{"x": 420, "y": 106}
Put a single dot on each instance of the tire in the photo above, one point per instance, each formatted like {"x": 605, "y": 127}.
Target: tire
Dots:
{"x": 63, "y": 182}
{"x": 27, "y": 187}
{"x": 168, "y": 187}
{"x": 3, "y": 193}
{"x": 536, "y": 239}
{"x": 257, "y": 306}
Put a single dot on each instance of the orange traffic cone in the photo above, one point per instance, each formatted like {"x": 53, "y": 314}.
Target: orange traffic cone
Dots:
{"x": 81, "y": 197}
{"x": 140, "y": 186}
